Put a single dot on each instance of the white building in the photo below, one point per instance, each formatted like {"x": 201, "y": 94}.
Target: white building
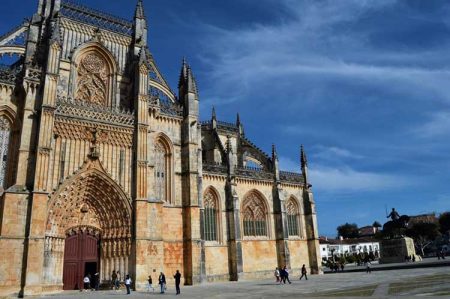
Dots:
{"x": 339, "y": 247}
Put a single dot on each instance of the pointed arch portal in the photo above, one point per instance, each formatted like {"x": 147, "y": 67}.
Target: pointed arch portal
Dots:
{"x": 88, "y": 228}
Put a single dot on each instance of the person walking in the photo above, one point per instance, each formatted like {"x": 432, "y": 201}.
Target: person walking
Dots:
{"x": 113, "y": 279}
{"x": 162, "y": 282}
{"x": 368, "y": 269}
{"x": 286, "y": 275}
{"x": 128, "y": 284}
{"x": 97, "y": 281}
{"x": 304, "y": 272}
{"x": 150, "y": 284}
{"x": 282, "y": 276}
{"x": 177, "y": 277}
{"x": 276, "y": 273}
{"x": 119, "y": 278}
{"x": 87, "y": 283}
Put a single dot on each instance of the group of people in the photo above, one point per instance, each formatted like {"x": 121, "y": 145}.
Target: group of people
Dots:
{"x": 162, "y": 282}
{"x": 334, "y": 267}
{"x": 282, "y": 274}
{"x": 91, "y": 283}
{"x": 116, "y": 279}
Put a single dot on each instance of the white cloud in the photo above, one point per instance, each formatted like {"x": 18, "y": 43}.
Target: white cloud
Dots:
{"x": 327, "y": 179}
{"x": 334, "y": 153}
{"x": 274, "y": 58}
{"x": 439, "y": 125}
{"x": 345, "y": 179}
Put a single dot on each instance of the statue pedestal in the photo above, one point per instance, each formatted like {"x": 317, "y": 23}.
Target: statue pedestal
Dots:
{"x": 395, "y": 250}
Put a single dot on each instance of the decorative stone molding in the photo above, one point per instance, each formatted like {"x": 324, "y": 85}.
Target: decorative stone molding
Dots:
{"x": 92, "y": 112}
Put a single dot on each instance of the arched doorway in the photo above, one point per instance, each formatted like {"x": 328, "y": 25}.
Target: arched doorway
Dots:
{"x": 88, "y": 228}
{"x": 81, "y": 256}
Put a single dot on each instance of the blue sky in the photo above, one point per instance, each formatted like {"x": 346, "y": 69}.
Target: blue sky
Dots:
{"x": 364, "y": 85}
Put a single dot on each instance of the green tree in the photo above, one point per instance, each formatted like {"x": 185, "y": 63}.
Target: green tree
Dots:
{"x": 376, "y": 224}
{"x": 444, "y": 222}
{"x": 348, "y": 230}
{"x": 423, "y": 234}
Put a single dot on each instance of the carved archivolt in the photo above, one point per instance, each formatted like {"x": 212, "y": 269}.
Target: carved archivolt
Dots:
{"x": 93, "y": 79}
{"x": 90, "y": 199}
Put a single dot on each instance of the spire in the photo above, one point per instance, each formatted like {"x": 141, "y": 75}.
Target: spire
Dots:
{"x": 191, "y": 83}
{"x": 183, "y": 73}
{"x": 303, "y": 160}
{"x": 139, "y": 13}
{"x": 274, "y": 152}
{"x": 140, "y": 27}
{"x": 213, "y": 114}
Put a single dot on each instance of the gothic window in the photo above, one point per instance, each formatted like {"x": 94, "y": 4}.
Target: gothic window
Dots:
{"x": 254, "y": 216}
{"x": 162, "y": 172}
{"x": 210, "y": 203}
{"x": 5, "y": 132}
{"x": 93, "y": 79}
{"x": 292, "y": 212}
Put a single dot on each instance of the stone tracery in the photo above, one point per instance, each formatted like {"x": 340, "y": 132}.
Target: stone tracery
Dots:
{"x": 93, "y": 81}
{"x": 292, "y": 212}
{"x": 254, "y": 215}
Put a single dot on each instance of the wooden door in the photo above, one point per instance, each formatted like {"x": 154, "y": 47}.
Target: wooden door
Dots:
{"x": 79, "y": 249}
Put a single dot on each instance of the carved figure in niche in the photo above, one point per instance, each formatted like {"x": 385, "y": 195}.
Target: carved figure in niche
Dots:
{"x": 92, "y": 83}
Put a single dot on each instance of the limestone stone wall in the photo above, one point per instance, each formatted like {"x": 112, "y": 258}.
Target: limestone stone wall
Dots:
{"x": 216, "y": 262}
{"x": 299, "y": 254}
{"x": 259, "y": 255}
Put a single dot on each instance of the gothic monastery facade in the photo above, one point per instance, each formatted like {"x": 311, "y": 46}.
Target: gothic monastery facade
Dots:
{"x": 104, "y": 167}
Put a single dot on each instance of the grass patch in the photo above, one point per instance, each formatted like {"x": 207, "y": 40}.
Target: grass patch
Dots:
{"x": 365, "y": 291}
{"x": 417, "y": 283}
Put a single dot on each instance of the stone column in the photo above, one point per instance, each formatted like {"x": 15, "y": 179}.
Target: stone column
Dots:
{"x": 281, "y": 227}
{"x": 235, "y": 259}
{"x": 312, "y": 232}
{"x": 35, "y": 260}
{"x": 190, "y": 130}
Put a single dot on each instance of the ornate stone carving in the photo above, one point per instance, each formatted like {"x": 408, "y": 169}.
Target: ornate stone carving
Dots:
{"x": 291, "y": 207}
{"x": 79, "y": 130}
{"x": 92, "y": 83}
{"x": 90, "y": 111}
{"x": 209, "y": 200}
{"x": 254, "y": 208}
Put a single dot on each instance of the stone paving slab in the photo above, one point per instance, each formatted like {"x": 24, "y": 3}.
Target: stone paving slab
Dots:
{"x": 317, "y": 286}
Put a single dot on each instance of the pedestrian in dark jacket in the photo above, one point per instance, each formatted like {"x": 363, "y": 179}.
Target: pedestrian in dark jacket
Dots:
{"x": 162, "y": 282}
{"x": 177, "y": 277}
{"x": 304, "y": 272}
{"x": 286, "y": 275}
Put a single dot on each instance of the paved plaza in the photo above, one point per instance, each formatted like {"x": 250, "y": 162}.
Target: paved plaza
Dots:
{"x": 404, "y": 283}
